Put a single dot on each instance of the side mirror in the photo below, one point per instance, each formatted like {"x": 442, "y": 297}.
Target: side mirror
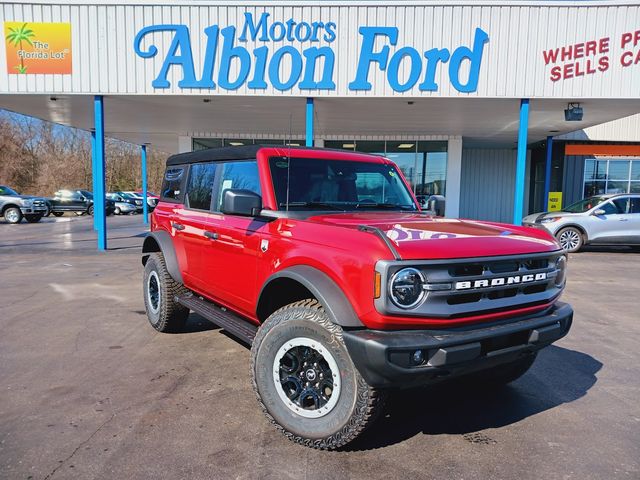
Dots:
{"x": 241, "y": 202}
{"x": 599, "y": 212}
{"x": 435, "y": 205}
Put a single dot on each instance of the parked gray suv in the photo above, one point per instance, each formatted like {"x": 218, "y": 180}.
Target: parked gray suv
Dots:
{"x": 603, "y": 220}
{"x": 14, "y": 206}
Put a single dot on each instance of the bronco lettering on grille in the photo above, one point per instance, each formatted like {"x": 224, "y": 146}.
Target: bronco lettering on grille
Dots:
{"x": 500, "y": 281}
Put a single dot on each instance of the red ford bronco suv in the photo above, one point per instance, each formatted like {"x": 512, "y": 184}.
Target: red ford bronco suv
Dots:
{"x": 323, "y": 261}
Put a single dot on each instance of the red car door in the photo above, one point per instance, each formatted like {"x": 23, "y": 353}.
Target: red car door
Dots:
{"x": 230, "y": 260}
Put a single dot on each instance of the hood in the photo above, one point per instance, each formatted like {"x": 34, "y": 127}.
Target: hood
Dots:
{"x": 27, "y": 197}
{"x": 420, "y": 236}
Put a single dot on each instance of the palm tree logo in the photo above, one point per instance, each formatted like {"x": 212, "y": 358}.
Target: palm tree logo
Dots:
{"x": 16, "y": 37}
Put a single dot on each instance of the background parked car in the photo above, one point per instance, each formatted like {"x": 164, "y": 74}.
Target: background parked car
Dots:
{"x": 152, "y": 199}
{"x": 14, "y": 206}
{"x": 77, "y": 201}
{"x": 123, "y": 206}
{"x": 131, "y": 196}
{"x": 603, "y": 220}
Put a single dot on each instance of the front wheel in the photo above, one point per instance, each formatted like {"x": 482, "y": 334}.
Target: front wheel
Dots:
{"x": 33, "y": 218}
{"x": 117, "y": 211}
{"x": 570, "y": 239}
{"x": 90, "y": 210}
{"x": 57, "y": 214}
{"x": 305, "y": 380}
{"x": 160, "y": 290}
{"x": 13, "y": 215}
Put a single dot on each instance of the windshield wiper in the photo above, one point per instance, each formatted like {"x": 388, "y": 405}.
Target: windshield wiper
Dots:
{"x": 311, "y": 205}
{"x": 385, "y": 206}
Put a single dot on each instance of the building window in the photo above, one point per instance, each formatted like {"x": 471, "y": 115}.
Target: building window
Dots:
{"x": 423, "y": 163}
{"x": 611, "y": 175}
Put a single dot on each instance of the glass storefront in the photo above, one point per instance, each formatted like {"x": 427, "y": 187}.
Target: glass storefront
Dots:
{"x": 611, "y": 175}
{"x": 423, "y": 163}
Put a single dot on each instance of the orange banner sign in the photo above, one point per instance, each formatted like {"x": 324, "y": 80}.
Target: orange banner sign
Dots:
{"x": 38, "y": 47}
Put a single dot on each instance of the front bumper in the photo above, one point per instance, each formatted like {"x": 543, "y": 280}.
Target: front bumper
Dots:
{"x": 385, "y": 358}
{"x": 34, "y": 210}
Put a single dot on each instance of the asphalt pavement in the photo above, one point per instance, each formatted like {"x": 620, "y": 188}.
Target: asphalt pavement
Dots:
{"x": 88, "y": 390}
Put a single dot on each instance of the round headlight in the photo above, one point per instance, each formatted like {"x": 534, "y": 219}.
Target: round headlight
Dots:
{"x": 407, "y": 287}
{"x": 561, "y": 270}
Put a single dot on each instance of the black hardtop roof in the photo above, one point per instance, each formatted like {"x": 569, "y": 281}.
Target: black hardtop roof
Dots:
{"x": 243, "y": 152}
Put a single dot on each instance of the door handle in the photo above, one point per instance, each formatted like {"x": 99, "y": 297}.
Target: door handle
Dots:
{"x": 211, "y": 235}
{"x": 177, "y": 226}
{"x": 624, "y": 219}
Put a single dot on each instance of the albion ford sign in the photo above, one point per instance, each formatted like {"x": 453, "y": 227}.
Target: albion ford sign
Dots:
{"x": 311, "y": 66}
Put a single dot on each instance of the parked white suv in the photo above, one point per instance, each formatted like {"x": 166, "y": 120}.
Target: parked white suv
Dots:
{"x": 602, "y": 220}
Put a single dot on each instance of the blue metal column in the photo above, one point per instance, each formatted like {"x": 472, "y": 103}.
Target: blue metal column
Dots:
{"x": 94, "y": 177}
{"x": 521, "y": 162}
{"x": 99, "y": 191}
{"x": 547, "y": 173}
{"x": 309, "y": 123}
{"x": 145, "y": 205}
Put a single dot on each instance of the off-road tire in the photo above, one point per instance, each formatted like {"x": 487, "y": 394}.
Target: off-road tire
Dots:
{"x": 33, "y": 218}
{"x": 169, "y": 316}
{"x": 577, "y": 240}
{"x": 13, "y": 215}
{"x": 57, "y": 214}
{"x": 358, "y": 404}
{"x": 504, "y": 374}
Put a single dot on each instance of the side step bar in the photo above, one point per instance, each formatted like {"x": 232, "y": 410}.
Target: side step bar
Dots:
{"x": 232, "y": 323}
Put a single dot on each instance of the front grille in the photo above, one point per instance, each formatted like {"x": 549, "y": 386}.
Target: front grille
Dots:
{"x": 468, "y": 287}
{"x": 38, "y": 203}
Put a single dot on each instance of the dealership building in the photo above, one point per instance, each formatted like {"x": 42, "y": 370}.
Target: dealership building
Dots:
{"x": 504, "y": 107}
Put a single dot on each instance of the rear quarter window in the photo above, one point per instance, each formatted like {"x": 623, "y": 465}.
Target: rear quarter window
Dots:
{"x": 173, "y": 184}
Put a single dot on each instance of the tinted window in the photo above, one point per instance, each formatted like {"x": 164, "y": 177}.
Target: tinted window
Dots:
{"x": 172, "y": 184}
{"x": 635, "y": 205}
{"x": 237, "y": 175}
{"x": 609, "y": 208}
{"x": 622, "y": 204}
{"x": 201, "y": 178}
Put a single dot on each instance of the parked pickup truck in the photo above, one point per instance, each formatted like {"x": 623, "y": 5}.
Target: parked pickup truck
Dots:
{"x": 323, "y": 261}
{"x": 14, "y": 207}
{"x": 77, "y": 201}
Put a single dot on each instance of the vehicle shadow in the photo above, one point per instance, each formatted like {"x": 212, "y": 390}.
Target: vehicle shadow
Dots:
{"x": 558, "y": 376}
{"x": 608, "y": 249}
{"x": 196, "y": 323}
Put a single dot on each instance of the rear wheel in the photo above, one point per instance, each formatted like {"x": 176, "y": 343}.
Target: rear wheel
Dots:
{"x": 117, "y": 211}
{"x": 160, "y": 290}
{"x": 57, "y": 214}
{"x": 13, "y": 215}
{"x": 33, "y": 218}
{"x": 570, "y": 239}
{"x": 305, "y": 380}
{"x": 90, "y": 210}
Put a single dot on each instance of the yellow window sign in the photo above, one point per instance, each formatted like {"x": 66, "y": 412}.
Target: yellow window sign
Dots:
{"x": 38, "y": 47}
{"x": 555, "y": 202}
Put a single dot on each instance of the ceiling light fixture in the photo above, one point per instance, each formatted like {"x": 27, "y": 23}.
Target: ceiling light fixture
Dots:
{"x": 236, "y": 144}
{"x": 348, "y": 145}
{"x": 406, "y": 145}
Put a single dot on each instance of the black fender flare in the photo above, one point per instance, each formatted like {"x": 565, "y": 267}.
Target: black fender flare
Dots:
{"x": 324, "y": 289}
{"x": 161, "y": 241}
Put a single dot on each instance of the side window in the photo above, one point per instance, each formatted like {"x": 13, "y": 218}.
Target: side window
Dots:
{"x": 200, "y": 186}
{"x": 622, "y": 204}
{"x": 635, "y": 205}
{"x": 609, "y": 208}
{"x": 237, "y": 175}
{"x": 172, "y": 184}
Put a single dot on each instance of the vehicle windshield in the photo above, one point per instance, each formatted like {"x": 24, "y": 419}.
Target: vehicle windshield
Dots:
{"x": 7, "y": 191}
{"x": 126, "y": 195}
{"x": 318, "y": 184}
{"x": 584, "y": 205}
{"x": 87, "y": 194}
